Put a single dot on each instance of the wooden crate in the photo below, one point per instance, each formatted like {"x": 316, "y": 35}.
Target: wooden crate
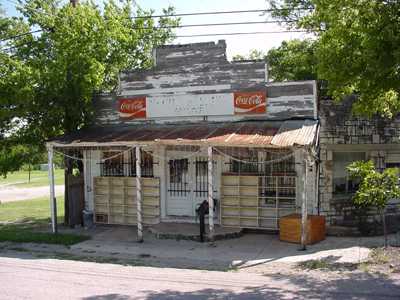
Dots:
{"x": 290, "y": 228}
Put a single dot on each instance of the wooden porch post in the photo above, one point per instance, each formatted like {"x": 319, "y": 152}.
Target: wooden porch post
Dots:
{"x": 304, "y": 216}
{"x": 139, "y": 195}
{"x": 210, "y": 194}
{"x": 53, "y": 203}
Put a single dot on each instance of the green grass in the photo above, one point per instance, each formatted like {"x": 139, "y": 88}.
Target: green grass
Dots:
{"x": 19, "y": 234}
{"x": 28, "y": 222}
{"x": 34, "y": 210}
{"x": 38, "y": 178}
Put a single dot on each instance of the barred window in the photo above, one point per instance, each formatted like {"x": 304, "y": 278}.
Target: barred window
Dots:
{"x": 201, "y": 179}
{"x": 114, "y": 165}
{"x": 280, "y": 167}
{"x": 146, "y": 164}
{"x": 245, "y": 164}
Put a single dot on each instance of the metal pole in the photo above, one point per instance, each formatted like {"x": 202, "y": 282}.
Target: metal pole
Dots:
{"x": 210, "y": 194}
{"x": 139, "y": 195}
{"x": 53, "y": 203}
{"x": 304, "y": 216}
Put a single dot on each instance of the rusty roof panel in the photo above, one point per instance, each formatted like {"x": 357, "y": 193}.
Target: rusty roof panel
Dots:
{"x": 296, "y": 132}
{"x": 261, "y": 134}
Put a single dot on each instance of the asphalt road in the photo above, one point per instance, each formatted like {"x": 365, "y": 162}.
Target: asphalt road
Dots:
{"x": 24, "y": 277}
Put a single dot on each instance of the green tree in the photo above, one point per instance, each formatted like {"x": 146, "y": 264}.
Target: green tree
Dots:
{"x": 292, "y": 60}
{"x": 48, "y": 78}
{"x": 376, "y": 188}
{"x": 358, "y": 47}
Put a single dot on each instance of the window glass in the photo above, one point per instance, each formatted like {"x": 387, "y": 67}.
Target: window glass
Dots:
{"x": 342, "y": 183}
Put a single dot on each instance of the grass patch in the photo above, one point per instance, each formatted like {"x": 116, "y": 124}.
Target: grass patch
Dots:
{"x": 382, "y": 261}
{"x": 313, "y": 264}
{"x": 96, "y": 259}
{"x": 379, "y": 256}
{"x": 21, "y": 234}
{"x": 34, "y": 210}
{"x": 327, "y": 264}
{"x": 38, "y": 178}
{"x": 27, "y": 222}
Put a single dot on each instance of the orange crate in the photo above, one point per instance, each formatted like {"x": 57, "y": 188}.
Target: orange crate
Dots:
{"x": 290, "y": 228}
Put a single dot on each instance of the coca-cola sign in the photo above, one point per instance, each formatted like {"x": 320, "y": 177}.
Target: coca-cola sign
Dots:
{"x": 249, "y": 103}
{"x": 132, "y": 108}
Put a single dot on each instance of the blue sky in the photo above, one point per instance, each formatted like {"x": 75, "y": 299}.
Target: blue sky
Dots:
{"x": 238, "y": 44}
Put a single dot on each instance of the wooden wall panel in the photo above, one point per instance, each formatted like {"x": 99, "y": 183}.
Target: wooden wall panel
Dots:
{"x": 115, "y": 200}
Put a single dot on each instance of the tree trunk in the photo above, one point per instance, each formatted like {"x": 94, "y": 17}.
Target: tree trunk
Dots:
{"x": 29, "y": 173}
{"x": 384, "y": 227}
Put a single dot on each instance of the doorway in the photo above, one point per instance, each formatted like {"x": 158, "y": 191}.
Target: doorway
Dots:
{"x": 187, "y": 184}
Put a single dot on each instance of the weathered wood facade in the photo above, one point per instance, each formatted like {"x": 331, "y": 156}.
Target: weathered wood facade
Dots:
{"x": 205, "y": 128}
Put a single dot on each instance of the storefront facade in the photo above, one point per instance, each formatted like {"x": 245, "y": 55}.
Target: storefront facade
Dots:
{"x": 199, "y": 128}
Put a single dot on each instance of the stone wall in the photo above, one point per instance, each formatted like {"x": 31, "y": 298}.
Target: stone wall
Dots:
{"x": 342, "y": 132}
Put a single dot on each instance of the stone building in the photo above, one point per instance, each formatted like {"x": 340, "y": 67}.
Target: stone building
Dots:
{"x": 345, "y": 138}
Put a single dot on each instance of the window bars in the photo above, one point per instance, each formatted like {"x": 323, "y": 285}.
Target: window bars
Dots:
{"x": 201, "y": 184}
{"x": 146, "y": 164}
{"x": 115, "y": 166}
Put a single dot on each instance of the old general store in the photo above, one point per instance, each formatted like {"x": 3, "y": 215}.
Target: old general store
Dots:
{"x": 197, "y": 127}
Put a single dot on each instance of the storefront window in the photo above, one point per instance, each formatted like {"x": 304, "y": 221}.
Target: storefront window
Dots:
{"x": 342, "y": 183}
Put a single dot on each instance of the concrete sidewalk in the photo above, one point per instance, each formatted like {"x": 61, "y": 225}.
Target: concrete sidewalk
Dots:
{"x": 248, "y": 250}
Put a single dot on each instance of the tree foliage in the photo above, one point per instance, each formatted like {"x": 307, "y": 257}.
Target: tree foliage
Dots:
{"x": 48, "y": 78}
{"x": 376, "y": 188}
{"x": 292, "y": 60}
{"x": 358, "y": 48}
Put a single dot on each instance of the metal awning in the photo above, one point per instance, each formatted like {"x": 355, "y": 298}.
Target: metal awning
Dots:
{"x": 251, "y": 134}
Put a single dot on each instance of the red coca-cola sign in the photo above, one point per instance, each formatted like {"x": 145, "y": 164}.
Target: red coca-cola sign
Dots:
{"x": 132, "y": 108}
{"x": 249, "y": 103}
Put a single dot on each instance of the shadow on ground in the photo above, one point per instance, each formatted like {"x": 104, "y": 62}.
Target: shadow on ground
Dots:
{"x": 355, "y": 286}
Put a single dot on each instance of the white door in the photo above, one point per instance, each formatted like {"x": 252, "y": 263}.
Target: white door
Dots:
{"x": 179, "y": 188}
{"x": 188, "y": 185}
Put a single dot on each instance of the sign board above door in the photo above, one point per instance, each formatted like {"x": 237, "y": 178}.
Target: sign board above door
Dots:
{"x": 271, "y": 101}
{"x": 170, "y": 106}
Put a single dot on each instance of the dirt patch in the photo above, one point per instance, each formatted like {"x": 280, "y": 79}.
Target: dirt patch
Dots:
{"x": 384, "y": 261}
{"x": 326, "y": 264}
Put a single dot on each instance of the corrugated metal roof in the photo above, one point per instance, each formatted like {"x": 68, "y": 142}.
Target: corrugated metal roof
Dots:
{"x": 257, "y": 134}
{"x": 296, "y": 132}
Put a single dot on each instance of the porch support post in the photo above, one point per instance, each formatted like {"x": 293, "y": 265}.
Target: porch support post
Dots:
{"x": 304, "y": 216}
{"x": 53, "y": 203}
{"x": 139, "y": 195}
{"x": 210, "y": 193}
